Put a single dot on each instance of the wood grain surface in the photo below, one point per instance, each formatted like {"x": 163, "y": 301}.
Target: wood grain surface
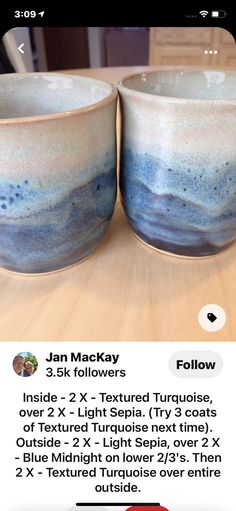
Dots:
{"x": 124, "y": 292}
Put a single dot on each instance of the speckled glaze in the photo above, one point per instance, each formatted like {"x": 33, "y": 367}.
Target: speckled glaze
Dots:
{"x": 57, "y": 169}
{"x": 178, "y": 164}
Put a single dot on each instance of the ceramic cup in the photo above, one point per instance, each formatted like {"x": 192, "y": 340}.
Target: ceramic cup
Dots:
{"x": 178, "y": 165}
{"x": 57, "y": 169}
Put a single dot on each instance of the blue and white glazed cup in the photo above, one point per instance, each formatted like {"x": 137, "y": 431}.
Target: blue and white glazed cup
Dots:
{"x": 57, "y": 169}
{"x": 178, "y": 163}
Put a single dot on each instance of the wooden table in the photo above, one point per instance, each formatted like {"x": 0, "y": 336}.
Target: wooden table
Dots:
{"x": 124, "y": 292}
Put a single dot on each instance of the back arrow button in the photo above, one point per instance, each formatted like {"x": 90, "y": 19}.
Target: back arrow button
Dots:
{"x": 20, "y": 48}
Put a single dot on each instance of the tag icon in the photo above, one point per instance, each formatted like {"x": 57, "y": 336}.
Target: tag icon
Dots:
{"x": 211, "y": 317}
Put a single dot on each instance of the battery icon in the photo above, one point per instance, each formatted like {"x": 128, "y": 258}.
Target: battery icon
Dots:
{"x": 218, "y": 14}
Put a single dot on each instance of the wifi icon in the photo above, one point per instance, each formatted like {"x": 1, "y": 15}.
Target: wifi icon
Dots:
{"x": 203, "y": 13}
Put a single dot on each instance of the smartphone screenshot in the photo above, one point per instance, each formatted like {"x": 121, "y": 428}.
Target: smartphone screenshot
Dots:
{"x": 117, "y": 259}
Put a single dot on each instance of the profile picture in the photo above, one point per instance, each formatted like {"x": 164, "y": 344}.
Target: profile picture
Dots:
{"x": 25, "y": 364}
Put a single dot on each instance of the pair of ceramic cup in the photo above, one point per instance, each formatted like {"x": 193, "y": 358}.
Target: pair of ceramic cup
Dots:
{"x": 58, "y": 164}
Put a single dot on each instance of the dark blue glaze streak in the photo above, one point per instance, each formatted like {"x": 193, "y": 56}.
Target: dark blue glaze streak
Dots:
{"x": 48, "y": 238}
{"x": 191, "y": 213}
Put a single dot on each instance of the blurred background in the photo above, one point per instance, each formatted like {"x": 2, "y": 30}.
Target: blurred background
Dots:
{"x": 50, "y": 49}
